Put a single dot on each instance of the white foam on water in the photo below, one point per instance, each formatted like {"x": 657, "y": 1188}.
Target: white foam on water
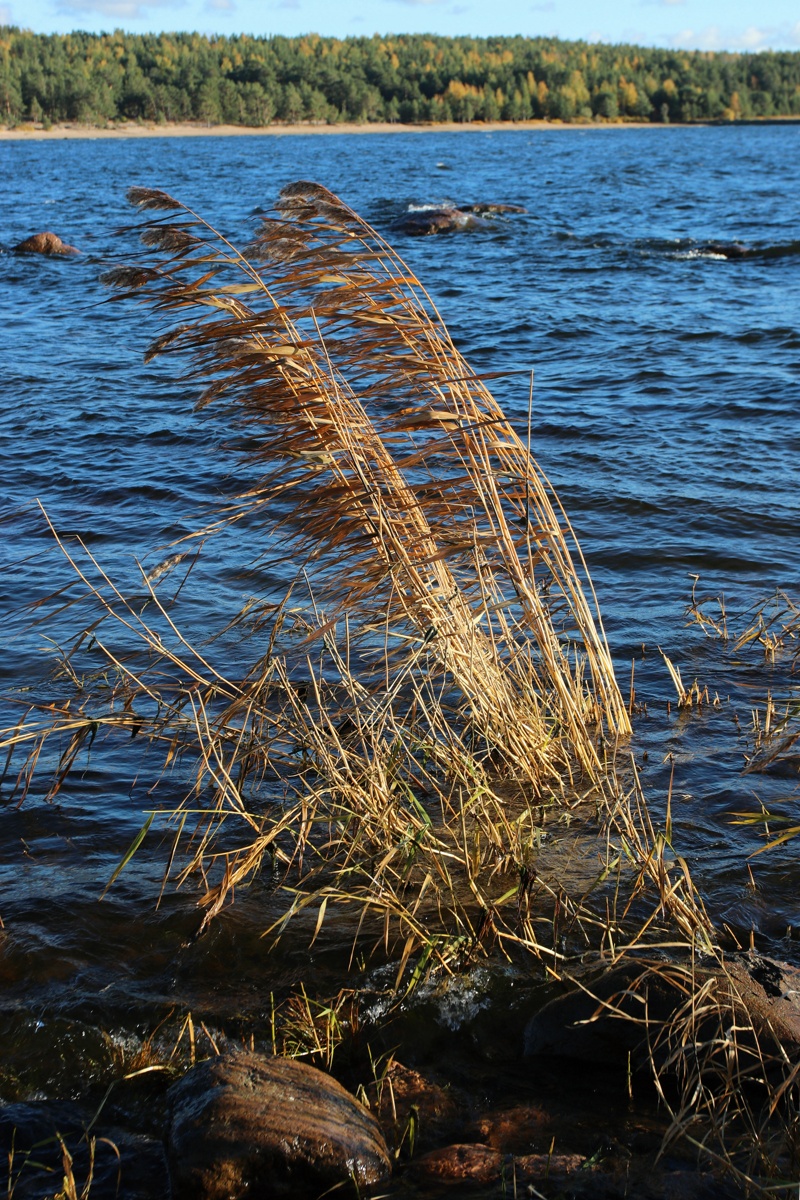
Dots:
{"x": 699, "y": 254}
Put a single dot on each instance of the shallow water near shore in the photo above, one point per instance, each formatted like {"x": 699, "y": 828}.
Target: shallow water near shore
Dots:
{"x": 667, "y": 393}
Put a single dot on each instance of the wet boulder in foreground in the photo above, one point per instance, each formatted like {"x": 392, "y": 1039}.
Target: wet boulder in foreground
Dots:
{"x": 247, "y": 1125}
{"x": 44, "y": 243}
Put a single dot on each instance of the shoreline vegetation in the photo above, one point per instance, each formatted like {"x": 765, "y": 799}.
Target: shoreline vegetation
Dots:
{"x": 189, "y": 80}
{"x": 73, "y": 131}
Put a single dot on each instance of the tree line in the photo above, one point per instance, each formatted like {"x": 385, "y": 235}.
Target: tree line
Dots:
{"x": 243, "y": 80}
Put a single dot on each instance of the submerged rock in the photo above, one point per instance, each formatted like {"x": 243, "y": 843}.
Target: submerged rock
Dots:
{"x": 728, "y": 250}
{"x": 737, "y": 250}
{"x": 460, "y": 1164}
{"x": 403, "y": 1095}
{"x": 604, "y": 1021}
{"x": 245, "y": 1125}
{"x": 512, "y": 1130}
{"x": 610, "y": 1176}
{"x": 44, "y": 243}
{"x": 475, "y": 1165}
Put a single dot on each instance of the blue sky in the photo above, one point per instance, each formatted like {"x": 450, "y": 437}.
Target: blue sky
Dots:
{"x": 691, "y": 24}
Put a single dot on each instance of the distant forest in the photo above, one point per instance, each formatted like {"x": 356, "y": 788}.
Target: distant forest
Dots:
{"x": 96, "y": 78}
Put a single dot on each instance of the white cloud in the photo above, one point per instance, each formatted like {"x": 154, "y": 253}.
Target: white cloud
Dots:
{"x": 549, "y": 6}
{"x": 421, "y": 3}
{"x": 5, "y": 14}
{"x": 119, "y": 10}
{"x": 753, "y": 38}
{"x": 220, "y": 6}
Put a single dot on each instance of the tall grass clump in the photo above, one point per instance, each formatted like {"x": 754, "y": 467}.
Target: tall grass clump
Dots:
{"x": 436, "y": 675}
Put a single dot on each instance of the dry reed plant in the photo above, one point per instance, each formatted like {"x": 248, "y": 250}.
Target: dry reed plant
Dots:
{"x": 441, "y": 632}
{"x": 434, "y": 687}
{"x": 432, "y": 698}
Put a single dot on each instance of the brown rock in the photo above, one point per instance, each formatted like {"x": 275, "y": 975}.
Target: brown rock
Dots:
{"x": 425, "y": 222}
{"x": 44, "y": 243}
{"x": 555, "y": 1169}
{"x": 245, "y": 1125}
{"x": 481, "y": 1166}
{"x": 769, "y": 992}
{"x": 512, "y": 1130}
{"x": 476, "y": 1165}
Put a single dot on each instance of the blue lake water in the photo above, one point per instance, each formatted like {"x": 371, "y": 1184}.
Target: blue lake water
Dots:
{"x": 666, "y": 413}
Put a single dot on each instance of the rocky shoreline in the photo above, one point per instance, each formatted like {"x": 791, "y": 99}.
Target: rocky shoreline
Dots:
{"x": 245, "y": 1124}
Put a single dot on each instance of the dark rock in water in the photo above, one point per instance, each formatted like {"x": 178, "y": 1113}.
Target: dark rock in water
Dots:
{"x": 481, "y": 1166}
{"x": 562, "y": 1172}
{"x": 736, "y": 250}
{"x": 454, "y": 219}
{"x": 785, "y": 767}
{"x": 470, "y": 1165}
{"x": 512, "y": 1130}
{"x": 618, "y": 1013}
{"x": 601, "y": 1177}
{"x": 44, "y": 243}
{"x": 441, "y": 220}
{"x": 728, "y": 250}
{"x": 244, "y": 1125}
{"x": 605, "y": 1023}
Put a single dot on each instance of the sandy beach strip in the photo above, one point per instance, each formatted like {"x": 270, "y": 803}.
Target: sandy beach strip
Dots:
{"x": 132, "y": 129}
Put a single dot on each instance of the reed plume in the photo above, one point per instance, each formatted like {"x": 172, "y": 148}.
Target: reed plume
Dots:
{"x": 420, "y": 514}
{"x": 436, "y": 677}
